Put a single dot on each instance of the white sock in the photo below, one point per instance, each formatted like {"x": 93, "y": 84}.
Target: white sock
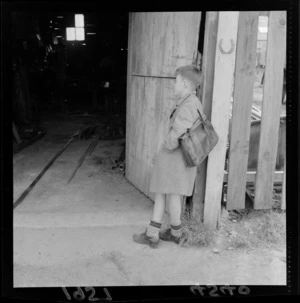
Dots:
{"x": 176, "y": 231}
{"x": 152, "y": 230}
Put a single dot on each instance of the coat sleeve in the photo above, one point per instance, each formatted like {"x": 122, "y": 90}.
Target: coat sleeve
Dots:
{"x": 182, "y": 122}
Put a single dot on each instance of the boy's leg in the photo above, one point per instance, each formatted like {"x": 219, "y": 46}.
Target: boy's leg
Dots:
{"x": 175, "y": 209}
{"x": 158, "y": 212}
{"x": 175, "y": 214}
{"x": 159, "y": 207}
{"x": 175, "y": 232}
{"x": 151, "y": 235}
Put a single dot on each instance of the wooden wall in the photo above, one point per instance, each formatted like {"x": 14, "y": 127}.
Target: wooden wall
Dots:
{"x": 164, "y": 41}
{"x": 158, "y": 44}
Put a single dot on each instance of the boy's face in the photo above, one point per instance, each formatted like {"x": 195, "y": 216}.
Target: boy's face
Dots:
{"x": 179, "y": 86}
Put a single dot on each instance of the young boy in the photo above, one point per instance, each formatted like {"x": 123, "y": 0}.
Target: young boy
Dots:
{"x": 170, "y": 176}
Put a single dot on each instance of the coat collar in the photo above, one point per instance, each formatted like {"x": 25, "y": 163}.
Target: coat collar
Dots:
{"x": 181, "y": 100}
{"x": 184, "y": 97}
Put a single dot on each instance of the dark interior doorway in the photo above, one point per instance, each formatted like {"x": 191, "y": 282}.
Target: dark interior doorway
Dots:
{"x": 54, "y": 75}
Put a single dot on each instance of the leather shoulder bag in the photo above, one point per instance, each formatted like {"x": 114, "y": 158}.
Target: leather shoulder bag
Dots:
{"x": 198, "y": 141}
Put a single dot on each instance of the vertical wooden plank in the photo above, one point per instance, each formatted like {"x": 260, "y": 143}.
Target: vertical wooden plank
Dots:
{"x": 149, "y": 133}
{"x": 283, "y": 193}
{"x": 128, "y": 95}
{"x": 208, "y": 62}
{"x": 208, "y": 69}
{"x": 224, "y": 70}
{"x": 276, "y": 48}
{"x": 187, "y": 25}
{"x": 135, "y": 96}
{"x": 159, "y": 101}
{"x": 138, "y": 159}
{"x": 135, "y": 116}
{"x": 242, "y": 107}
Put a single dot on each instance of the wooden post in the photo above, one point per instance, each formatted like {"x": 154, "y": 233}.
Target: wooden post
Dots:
{"x": 242, "y": 106}
{"x": 283, "y": 193}
{"x": 269, "y": 134}
{"x": 128, "y": 96}
{"x": 222, "y": 91}
{"x": 208, "y": 69}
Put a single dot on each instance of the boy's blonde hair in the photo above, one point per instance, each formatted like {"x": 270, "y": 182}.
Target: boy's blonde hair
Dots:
{"x": 190, "y": 73}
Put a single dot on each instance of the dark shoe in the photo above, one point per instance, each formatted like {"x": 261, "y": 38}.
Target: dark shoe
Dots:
{"x": 144, "y": 239}
{"x": 166, "y": 235}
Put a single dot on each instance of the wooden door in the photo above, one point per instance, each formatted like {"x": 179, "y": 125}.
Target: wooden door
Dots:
{"x": 158, "y": 44}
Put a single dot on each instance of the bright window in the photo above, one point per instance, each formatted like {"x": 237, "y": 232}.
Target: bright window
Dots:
{"x": 70, "y": 33}
{"x": 79, "y": 21}
{"x": 77, "y": 32}
{"x": 263, "y": 30}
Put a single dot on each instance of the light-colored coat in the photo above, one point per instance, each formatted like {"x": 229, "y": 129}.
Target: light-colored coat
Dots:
{"x": 169, "y": 174}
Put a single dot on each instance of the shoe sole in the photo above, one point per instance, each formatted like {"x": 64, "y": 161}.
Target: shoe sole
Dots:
{"x": 169, "y": 240}
{"x": 176, "y": 242}
{"x": 152, "y": 245}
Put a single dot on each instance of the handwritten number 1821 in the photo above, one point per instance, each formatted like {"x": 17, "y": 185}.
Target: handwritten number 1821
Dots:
{"x": 80, "y": 296}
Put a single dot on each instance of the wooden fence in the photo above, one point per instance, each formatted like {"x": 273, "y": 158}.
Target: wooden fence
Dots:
{"x": 230, "y": 50}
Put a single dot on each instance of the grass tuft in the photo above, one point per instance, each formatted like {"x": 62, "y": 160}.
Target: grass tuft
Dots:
{"x": 270, "y": 227}
{"x": 194, "y": 233}
{"x": 245, "y": 230}
{"x": 258, "y": 228}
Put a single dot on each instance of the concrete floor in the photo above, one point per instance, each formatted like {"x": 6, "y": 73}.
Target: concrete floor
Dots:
{"x": 81, "y": 233}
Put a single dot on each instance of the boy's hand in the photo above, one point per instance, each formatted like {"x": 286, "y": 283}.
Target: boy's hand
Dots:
{"x": 164, "y": 148}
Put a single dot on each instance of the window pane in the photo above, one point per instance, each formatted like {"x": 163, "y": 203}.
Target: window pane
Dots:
{"x": 79, "y": 21}
{"x": 70, "y": 33}
{"x": 263, "y": 24}
{"x": 79, "y": 33}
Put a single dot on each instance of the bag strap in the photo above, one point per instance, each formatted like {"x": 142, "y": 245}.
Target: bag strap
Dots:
{"x": 201, "y": 113}
{"x": 202, "y": 117}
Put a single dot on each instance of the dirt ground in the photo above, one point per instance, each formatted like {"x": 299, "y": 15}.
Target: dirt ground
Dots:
{"x": 81, "y": 233}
